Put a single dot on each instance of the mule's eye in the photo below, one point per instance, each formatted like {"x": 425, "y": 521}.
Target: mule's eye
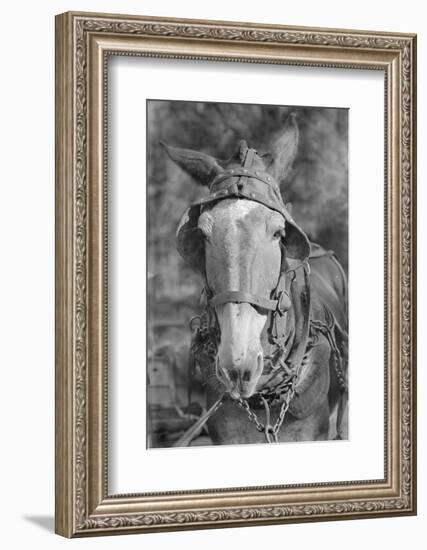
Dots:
{"x": 279, "y": 234}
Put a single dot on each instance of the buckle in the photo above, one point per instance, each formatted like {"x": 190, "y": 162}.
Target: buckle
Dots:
{"x": 283, "y": 302}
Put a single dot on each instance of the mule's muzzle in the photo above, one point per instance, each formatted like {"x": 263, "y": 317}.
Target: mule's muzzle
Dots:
{"x": 240, "y": 378}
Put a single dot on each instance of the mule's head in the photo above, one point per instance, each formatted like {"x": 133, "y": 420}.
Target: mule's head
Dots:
{"x": 239, "y": 247}
{"x": 242, "y": 244}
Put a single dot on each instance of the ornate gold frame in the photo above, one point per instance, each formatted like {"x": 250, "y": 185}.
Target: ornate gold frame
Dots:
{"x": 83, "y": 41}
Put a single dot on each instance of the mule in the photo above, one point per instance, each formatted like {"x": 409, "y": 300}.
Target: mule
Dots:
{"x": 271, "y": 343}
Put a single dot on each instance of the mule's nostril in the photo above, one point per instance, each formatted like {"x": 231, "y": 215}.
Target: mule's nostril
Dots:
{"x": 233, "y": 374}
{"x": 246, "y": 375}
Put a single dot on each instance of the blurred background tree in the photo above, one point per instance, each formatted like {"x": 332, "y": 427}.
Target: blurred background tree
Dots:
{"x": 317, "y": 187}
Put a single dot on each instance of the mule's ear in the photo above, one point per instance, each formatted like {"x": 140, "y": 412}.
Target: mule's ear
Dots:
{"x": 284, "y": 149}
{"x": 203, "y": 168}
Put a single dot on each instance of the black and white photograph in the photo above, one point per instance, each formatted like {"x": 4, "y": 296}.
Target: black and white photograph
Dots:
{"x": 247, "y": 274}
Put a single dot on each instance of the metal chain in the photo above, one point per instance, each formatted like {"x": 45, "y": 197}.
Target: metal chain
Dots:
{"x": 283, "y": 410}
{"x": 203, "y": 333}
{"x": 250, "y": 414}
{"x": 271, "y": 432}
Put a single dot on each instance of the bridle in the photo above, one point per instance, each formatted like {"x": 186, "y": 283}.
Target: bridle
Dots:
{"x": 277, "y": 306}
{"x": 280, "y": 301}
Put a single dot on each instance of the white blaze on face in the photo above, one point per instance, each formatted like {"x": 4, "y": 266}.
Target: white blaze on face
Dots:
{"x": 241, "y": 255}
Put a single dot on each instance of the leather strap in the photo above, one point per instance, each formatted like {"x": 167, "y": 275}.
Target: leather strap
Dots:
{"x": 244, "y": 173}
{"x": 302, "y": 306}
{"x": 241, "y": 296}
{"x": 280, "y": 304}
{"x": 277, "y": 331}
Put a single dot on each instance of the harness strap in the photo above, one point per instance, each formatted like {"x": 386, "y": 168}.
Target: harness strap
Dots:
{"x": 287, "y": 362}
{"x": 244, "y": 173}
{"x": 246, "y": 165}
{"x": 277, "y": 327}
{"x": 342, "y": 403}
{"x": 280, "y": 303}
{"x": 245, "y": 297}
{"x": 302, "y": 306}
